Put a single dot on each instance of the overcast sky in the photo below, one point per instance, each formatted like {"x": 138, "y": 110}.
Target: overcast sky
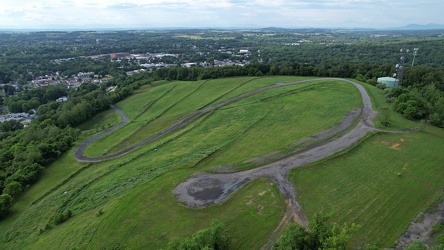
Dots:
{"x": 139, "y": 14}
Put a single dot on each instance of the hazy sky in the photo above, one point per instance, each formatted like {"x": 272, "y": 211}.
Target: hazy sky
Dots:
{"x": 82, "y": 14}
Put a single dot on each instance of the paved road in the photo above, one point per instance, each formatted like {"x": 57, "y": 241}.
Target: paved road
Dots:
{"x": 79, "y": 152}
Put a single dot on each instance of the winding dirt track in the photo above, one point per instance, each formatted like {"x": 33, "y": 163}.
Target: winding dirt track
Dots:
{"x": 79, "y": 154}
{"x": 205, "y": 189}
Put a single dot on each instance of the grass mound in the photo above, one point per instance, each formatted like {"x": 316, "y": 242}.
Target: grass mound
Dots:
{"x": 128, "y": 201}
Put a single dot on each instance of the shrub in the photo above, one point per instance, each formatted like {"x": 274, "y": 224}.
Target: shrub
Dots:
{"x": 61, "y": 217}
{"x": 214, "y": 237}
{"x": 5, "y": 204}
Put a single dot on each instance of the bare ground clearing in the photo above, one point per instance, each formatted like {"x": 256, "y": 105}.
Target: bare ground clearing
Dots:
{"x": 422, "y": 230}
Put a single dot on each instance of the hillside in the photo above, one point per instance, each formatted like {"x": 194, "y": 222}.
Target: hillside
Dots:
{"x": 128, "y": 201}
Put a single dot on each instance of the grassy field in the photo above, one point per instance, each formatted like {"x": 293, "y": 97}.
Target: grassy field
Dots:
{"x": 300, "y": 111}
{"x": 381, "y": 184}
{"x": 128, "y": 201}
{"x": 134, "y": 192}
{"x": 362, "y": 185}
{"x": 247, "y": 124}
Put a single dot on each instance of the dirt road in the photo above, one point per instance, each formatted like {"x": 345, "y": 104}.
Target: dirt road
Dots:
{"x": 79, "y": 152}
{"x": 205, "y": 189}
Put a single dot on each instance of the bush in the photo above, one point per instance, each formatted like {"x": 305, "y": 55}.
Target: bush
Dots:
{"x": 381, "y": 86}
{"x": 214, "y": 237}
{"x": 5, "y": 204}
{"x": 61, "y": 217}
{"x": 318, "y": 236}
{"x": 416, "y": 245}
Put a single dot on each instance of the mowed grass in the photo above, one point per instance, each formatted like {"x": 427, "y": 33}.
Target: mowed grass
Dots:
{"x": 381, "y": 184}
{"x": 155, "y": 108}
{"x": 271, "y": 111}
{"x": 139, "y": 209}
{"x": 258, "y": 205}
{"x": 284, "y": 116}
{"x": 134, "y": 191}
{"x": 147, "y": 108}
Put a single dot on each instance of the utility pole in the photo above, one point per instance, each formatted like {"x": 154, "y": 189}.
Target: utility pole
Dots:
{"x": 400, "y": 67}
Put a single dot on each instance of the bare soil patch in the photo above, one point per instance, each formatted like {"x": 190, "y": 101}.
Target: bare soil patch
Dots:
{"x": 422, "y": 230}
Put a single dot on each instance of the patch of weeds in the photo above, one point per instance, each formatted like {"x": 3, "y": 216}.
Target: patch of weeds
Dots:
{"x": 100, "y": 212}
{"x": 437, "y": 228}
{"x": 440, "y": 238}
{"x": 115, "y": 246}
{"x": 57, "y": 219}
{"x": 419, "y": 217}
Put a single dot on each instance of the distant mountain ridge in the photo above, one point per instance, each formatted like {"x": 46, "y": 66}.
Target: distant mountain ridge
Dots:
{"x": 430, "y": 26}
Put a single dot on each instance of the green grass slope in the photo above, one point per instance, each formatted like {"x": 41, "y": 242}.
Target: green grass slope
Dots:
{"x": 128, "y": 201}
{"x": 245, "y": 128}
{"x": 382, "y": 183}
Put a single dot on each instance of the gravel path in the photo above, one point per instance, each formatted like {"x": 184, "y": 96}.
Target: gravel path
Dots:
{"x": 206, "y": 189}
{"x": 79, "y": 152}
{"x": 422, "y": 230}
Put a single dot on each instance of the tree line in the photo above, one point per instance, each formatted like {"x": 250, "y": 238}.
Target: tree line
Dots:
{"x": 24, "y": 153}
{"x": 421, "y": 97}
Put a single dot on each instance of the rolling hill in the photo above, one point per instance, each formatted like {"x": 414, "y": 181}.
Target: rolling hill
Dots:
{"x": 128, "y": 201}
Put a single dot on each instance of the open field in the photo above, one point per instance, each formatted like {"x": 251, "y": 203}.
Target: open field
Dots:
{"x": 246, "y": 124}
{"x": 128, "y": 201}
{"x": 381, "y": 184}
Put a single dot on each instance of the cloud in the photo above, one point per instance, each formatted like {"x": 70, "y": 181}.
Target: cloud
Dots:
{"x": 220, "y": 13}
